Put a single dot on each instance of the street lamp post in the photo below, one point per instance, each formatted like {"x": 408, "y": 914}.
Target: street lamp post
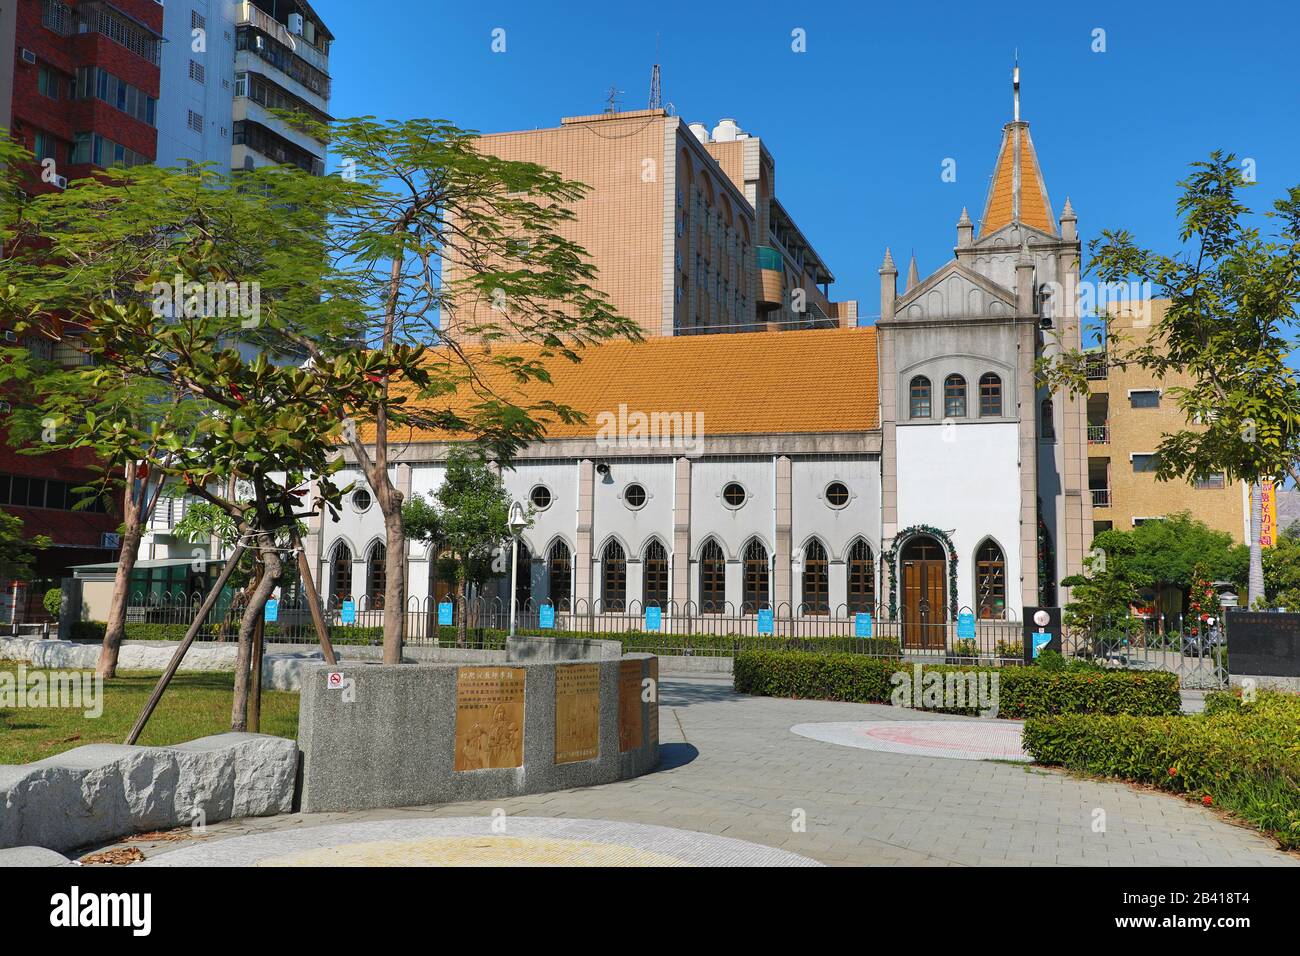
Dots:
{"x": 518, "y": 521}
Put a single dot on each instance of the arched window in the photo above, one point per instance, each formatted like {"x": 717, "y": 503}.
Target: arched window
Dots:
{"x": 654, "y": 576}
{"x": 341, "y": 573}
{"x": 919, "y": 400}
{"x": 954, "y": 397}
{"x": 559, "y": 565}
{"x": 862, "y": 578}
{"x": 990, "y": 582}
{"x": 713, "y": 579}
{"x": 816, "y": 583}
{"x": 1047, "y": 420}
{"x": 756, "y": 575}
{"x": 990, "y": 395}
{"x": 613, "y": 578}
{"x": 376, "y": 576}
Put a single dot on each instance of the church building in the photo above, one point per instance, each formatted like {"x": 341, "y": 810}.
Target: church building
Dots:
{"x": 912, "y": 469}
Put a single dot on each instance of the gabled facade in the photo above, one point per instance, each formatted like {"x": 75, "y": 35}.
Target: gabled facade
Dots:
{"x": 966, "y": 432}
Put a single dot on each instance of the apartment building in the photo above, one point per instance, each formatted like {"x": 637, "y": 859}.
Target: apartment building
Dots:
{"x": 86, "y": 81}
{"x": 226, "y": 66}
{"x": 1128, "y": 411}
{"x": 683, "y": 224}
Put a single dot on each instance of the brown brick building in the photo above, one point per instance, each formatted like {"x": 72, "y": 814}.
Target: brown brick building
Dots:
{"x": 683, "y": 224}
{"x": 1128, "y": 411}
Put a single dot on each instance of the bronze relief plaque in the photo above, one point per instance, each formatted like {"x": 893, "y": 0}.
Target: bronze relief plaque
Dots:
{"x": 577, "y": 712}
{"x": 489, "y": 717}
{"x": 629, "y": 705}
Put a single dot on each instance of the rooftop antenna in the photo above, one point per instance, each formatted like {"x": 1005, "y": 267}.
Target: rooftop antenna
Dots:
{"x": 656, "y": 94}
{"x": 1015, "y": 87}
{"x": 611, "y": 99}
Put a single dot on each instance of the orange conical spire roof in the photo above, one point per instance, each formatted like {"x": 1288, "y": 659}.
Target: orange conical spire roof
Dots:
{"x": 1017, "y": 192}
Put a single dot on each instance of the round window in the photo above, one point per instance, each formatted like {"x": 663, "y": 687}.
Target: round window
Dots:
{"x": 837, "y": 494}
{"x": 361, "y": 499}
{"x": 634, "y": 496}
{"x": 540, "y": 497}
{"x": 734, "y": 494}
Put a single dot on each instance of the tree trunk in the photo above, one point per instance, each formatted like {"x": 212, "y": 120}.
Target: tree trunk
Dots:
{"x": 132, "y": 531}
{"x": 394, "y": 580}
{"x": 1255, "y": 581}
{"x": 270, "y": 574}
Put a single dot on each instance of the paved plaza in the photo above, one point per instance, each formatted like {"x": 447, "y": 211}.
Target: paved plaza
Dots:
{"x": 732, "y": 767}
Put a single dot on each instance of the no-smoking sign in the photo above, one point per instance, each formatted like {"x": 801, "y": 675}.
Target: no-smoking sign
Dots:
{"x": 334, "y": 680}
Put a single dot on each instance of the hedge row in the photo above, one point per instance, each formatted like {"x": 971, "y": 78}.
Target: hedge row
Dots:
{"x": 1022, "y": 691}
{"x": 1240, "y": 755}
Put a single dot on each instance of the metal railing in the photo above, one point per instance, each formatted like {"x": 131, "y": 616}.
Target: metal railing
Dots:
{"x": 1096, "y": 367}
{"x": 686, "y": 629}
{"x": 1098, "y": 434}
{"x": 251, "y": 15}
{"x": 1100, "y": 497}
{"x": 1192, "y": 649}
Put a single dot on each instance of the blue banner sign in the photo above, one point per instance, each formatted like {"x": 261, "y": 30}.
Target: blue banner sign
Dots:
{"x": 765, "y": 620}
{"x": 444, "y": 613}
{"x": 1041, "y": 640}
{"x": 271, "y": 611}
{"x": 862, "y": 625}
{"x": 546, "y": 616}
{"x": 653, "y": 618}
{"x": 348, "y": 614}
{"x": 965, "y": 625}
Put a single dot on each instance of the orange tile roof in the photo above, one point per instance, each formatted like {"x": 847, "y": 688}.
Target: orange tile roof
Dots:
{"x": 999, "y": 210}
{"x": 816, "y": 380}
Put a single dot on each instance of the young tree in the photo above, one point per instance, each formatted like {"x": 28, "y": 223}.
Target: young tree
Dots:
{"x": 116, "y": 238}
{"x": 271, "y": 428}
{"x": 473, "y": 508}
{"x": 1101, "y": 599}
{"x": 1233, "y": 293}
{"x": 459, "y": 248}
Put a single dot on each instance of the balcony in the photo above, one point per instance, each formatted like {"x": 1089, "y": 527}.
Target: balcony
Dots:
{"x": 1098, "y": 434}
{"x": 1095, "y": 367}
{"x": 1100, "y": 497}
{"x": 249, "y": 15}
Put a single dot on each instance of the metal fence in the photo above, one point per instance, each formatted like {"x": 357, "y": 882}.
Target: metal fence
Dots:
{"x": 684, "y": 629}
{"x": 1199, "y": 658}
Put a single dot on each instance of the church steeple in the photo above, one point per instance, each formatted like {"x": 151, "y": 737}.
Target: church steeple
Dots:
{"x": 1017, "y": 192}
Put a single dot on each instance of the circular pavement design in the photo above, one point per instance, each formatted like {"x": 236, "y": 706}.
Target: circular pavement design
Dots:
{"x": 470, "y": 841}
{"x": 958, "y": 739}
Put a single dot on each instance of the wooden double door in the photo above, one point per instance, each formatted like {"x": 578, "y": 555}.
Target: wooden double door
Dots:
{"x": 925, "y": 594}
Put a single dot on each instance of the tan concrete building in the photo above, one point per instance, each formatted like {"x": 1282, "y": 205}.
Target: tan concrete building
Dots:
{"x": 682, "y": 223}
{"x": 1128, "y": 411}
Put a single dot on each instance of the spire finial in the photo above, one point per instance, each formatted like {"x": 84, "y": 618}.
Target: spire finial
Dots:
{"x": 1015, "y": 86}
{"x": 913, "y": 277}
{"x": 888, "y": 264}
{"x": 965, "y": 217}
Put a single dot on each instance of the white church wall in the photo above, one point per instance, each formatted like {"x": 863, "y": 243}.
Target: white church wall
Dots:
{"x": 835, "y": 527}
{"x": 964, "y": 479}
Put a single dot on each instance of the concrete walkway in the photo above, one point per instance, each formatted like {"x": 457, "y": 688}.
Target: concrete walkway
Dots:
{"x": 732, "y": 767}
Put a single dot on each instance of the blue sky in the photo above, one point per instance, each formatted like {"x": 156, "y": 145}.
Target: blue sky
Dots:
{"x": 861, "y": 123}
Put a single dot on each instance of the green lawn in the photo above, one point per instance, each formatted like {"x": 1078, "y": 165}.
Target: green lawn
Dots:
{"x": 195, "y": 705}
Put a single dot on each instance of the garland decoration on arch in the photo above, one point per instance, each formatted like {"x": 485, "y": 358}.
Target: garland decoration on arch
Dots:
{"x": 891, "y": 559}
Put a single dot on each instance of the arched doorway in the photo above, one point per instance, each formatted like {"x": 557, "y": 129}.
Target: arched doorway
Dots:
{"x": 925, "y": 593}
